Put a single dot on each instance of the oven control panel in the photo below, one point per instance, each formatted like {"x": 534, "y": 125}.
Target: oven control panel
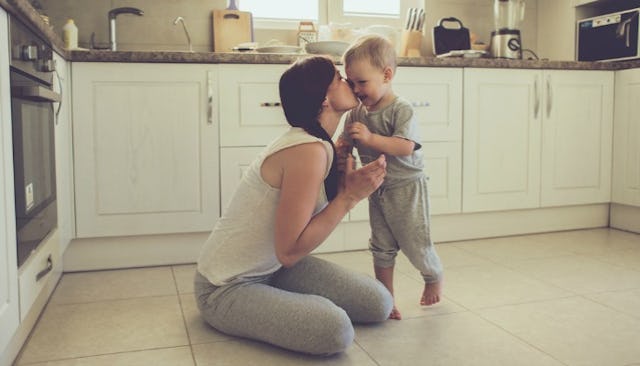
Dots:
{"x": 30, "y": 53}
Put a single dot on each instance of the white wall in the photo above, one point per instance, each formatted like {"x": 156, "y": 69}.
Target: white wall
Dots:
{"x": 155, "y": 30}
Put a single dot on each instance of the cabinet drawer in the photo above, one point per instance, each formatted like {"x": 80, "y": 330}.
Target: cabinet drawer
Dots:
{"x": 40, "y": 272}
{"x": 436, "y": 96}
{"x": 250, "y": 110}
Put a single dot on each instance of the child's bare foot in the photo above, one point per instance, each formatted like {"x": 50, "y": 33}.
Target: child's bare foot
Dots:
{"x": 395, "y": 314}
{"x": 431, "y": 293}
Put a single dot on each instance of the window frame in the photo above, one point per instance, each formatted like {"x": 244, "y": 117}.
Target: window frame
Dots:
{"x": 331, "y": 11}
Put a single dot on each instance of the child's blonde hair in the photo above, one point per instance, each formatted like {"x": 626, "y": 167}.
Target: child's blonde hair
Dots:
{"x": 377, "y": 49}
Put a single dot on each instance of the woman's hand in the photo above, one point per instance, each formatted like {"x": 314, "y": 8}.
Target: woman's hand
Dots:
{"x": 360, "y": 183}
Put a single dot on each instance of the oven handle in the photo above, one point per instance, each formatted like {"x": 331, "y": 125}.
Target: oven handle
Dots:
{"x": 36, "y": 94}
{"x": 61, "y": 91}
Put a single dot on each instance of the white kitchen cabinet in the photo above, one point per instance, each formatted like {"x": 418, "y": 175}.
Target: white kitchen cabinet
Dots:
{"x": 250, "y": 111}
{"x": 443, "y": 166}
{"x": 436, "y": 96}
{"x": 9, "y": 302}
{"x": 501, "y": 158}
{"x": 577, "y": 128}
{"x": 146, "y": 148}
{"x": 626, "y": 146}
{"x": 536, "y": 138}
{"x": 39, "y": 275}
{"x": 64, "y": 153}
{"x": 234, "y": 161}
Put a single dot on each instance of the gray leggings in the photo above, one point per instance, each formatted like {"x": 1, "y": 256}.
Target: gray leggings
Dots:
{"x": 306, "y": 308}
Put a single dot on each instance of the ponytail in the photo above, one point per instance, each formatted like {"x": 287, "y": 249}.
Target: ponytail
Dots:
{"x": 303, "y": 88}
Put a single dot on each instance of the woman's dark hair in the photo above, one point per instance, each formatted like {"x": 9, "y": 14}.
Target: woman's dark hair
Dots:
{"x": 303, "y": 88}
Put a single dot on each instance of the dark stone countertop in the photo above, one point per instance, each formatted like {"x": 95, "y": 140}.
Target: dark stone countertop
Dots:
{"x": 272, "y": 58}
{"x": 23, "y": 10}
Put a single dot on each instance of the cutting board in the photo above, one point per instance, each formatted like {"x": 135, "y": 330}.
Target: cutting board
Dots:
{"x": 230, "y": 27}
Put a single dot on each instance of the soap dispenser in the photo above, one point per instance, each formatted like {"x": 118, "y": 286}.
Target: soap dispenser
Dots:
{"x": 70, "y": 35}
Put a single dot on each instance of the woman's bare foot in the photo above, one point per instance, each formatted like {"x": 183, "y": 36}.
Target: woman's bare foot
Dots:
{"x": 395, "y": 314}
{"x": 430, "y": 294}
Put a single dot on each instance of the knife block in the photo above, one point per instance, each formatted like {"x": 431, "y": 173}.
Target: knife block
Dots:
{"x": 410, "y": 43}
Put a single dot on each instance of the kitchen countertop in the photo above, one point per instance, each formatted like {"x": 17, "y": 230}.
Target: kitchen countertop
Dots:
{"x": 24, "y": 10}
{"x": 272, "y": 58}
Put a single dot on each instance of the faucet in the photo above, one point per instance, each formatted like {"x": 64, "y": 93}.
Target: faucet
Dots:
{"x": 184, "y": 26}
{"x": 113, "y": 13}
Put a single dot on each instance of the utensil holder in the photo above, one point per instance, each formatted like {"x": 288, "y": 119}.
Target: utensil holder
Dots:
{"x": 410, "y": 43}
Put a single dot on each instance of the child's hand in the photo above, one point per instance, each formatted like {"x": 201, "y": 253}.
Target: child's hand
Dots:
{"x": 358, "y": 131}
{"x": 360, "y": 183}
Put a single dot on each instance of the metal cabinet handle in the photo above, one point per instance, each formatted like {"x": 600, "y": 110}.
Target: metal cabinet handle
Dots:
{"x": 45, "y": 271}
{"x": 270, "y": 104}
{"x": 210, "y": 98}
{"x": 549, "y": 96}
{"x": 420, "y": 104}
{"x": 536, "y": 103}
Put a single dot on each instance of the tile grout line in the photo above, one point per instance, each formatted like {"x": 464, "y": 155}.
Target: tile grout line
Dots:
{"x": 518, "y": 337}
{"x": 184, "y": 320}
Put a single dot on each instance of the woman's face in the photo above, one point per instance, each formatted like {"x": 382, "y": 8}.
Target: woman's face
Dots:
{"x": 340, "y": 95}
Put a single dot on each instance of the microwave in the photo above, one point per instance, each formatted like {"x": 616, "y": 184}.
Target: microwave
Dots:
{"x": 609, "y": 37}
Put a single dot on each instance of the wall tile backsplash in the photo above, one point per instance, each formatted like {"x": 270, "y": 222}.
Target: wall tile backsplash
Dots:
{"x": 155, "y": 30}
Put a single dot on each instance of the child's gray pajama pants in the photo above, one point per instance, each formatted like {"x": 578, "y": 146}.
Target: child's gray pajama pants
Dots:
{"x": 399, "y": 219}
{"x": 307, "y": 308}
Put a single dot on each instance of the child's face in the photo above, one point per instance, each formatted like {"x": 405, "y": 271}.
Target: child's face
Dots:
{"x": 369, "y": 83}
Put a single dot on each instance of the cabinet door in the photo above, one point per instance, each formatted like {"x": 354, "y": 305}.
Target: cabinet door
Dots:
{"x": 146, "y": 149}
{"x": 443, "y": 166}
{"x": 234, "y": 161}
{"x": 436, "y": 95}
{"x": 501, "y": 158}
{"x": 576, "y": 137}
{"x": 250, "y": 111}
{"x": 626, "y": 141}
{"x": 9, "y": 306}
{"x": 64, "y": 154}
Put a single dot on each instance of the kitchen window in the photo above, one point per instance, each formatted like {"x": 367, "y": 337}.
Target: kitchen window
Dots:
{"x": 286, "y": 14}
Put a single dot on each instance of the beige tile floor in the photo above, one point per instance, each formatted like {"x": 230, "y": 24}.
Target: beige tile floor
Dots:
{"x": 567, "y": 298}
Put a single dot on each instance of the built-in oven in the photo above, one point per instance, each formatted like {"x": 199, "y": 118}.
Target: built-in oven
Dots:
{"x": 609, "y": 37}
{"x": 33, "y": 126}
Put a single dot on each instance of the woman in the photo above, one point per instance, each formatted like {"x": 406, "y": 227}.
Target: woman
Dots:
{"x": 255, "y": 277}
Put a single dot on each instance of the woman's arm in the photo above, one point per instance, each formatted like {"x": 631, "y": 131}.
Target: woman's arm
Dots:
{"x": 297, "y": 233}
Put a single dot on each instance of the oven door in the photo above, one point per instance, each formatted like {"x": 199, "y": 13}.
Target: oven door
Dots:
{"x": 609, "y": 37}
{"x": 33, "y": 123}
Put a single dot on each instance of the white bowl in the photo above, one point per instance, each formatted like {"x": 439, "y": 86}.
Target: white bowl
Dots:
{"x": 278, "y": 49}
{"x": 334, "y": 48}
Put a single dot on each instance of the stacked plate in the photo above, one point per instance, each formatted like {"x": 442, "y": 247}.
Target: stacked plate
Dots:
{"x": 333, "y": 48}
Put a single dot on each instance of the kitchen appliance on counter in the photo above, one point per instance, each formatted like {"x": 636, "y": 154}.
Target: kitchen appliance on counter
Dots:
{"x": 609, "y": 37}
{"x": 33, "y": 126}
{"x": 447, "y": 38}
{"x": 505, "y": 39}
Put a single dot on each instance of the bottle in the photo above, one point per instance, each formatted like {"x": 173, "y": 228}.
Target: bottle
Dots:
{"x": 70, "y": 35}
